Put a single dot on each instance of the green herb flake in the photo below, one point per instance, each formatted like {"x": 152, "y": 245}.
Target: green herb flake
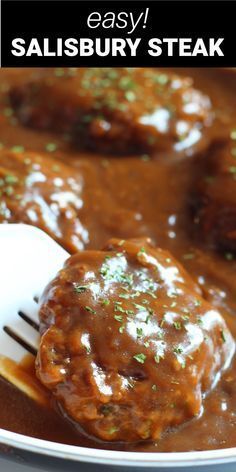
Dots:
{"x": 178, "y": 350}
{"x": 233, "y": 152}
{"x": 90, "y": 310}
{"x": 51, "y": 147}
{"x": 199, "y": 320}
{"x": 154, "y": 387}
{"x": 126, "y": 83}
{"x": 151, "y": 294}
{"x": 118, "y": 318}
{"x": 139, "y": 307}
{"x": 140, "y": 358}
{"x": 223, "y": 336}
{"x": 229, "y": 256}
{"x": 9, "y": 190}
{"x": 80, "y": 288}
{"x": 139, "y": 332}
{"x": 197, "y": 302}
{"x": 56, "y": 168}
{"x": 130, "y": 96}
{"x": 233, "y": 134}
{"x": 11, "y": 179}
{"x": 145, "y": 158}
{"x": 177, "y": 325}
{"x": 113, "y": 430}
{"x": 17, "y": 149}
{"x": 162, "y": 79}
{"x": 126, "y": 296}
{"x": 141, "y": 251}
{"x": 105, "y": 302}
{"x": 157, "y": 358}
{"x": 59, "y": 72}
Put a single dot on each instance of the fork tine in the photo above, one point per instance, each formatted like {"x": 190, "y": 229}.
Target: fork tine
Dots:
{"x": 24, "y": 331}
{"x": 9, "y": 348}
{"x": 31, "y": 310}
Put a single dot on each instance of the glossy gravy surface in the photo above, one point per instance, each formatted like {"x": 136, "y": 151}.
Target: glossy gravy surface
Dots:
{"x": 157, "y": 194}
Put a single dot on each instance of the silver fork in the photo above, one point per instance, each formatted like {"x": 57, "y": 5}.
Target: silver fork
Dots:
{"x": 29, "y": 259}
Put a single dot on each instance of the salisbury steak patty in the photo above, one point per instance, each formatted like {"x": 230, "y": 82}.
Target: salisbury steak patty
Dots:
{"x": 129, "y": 347}
{"x": 69, "y": 204}
{"x": 214, "y": 202}
{"x": 118, "y": 110}
{"x": 43, "y": 192}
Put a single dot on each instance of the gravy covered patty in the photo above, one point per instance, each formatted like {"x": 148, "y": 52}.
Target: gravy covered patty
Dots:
{"x": 117, "y": 110}
{"x": 129, "y": 347}
{"x": 43, "y": 192}
{"x": 71, "y": 205}
{"x": 215, "y": 199}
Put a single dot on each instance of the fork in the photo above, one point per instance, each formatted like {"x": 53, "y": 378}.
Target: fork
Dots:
{"x": 29, "y": 259}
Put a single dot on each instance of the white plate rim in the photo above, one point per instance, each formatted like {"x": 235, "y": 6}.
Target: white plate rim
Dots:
{"x": 108, "y": 457}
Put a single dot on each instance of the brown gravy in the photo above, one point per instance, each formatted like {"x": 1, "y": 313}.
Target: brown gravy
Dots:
{"x": 159, "y": 193}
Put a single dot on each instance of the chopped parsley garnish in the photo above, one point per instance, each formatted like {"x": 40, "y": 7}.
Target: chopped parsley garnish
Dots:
{"x": 233, "y": 152}
{"x": 140, "y": 358}
{"x": 17, "y": 149}
{"x": 229, "y": 256}
{"x": 126, "y": 296}
{"x": 55, "y": 168}
{"x": 157, "y": 358}
{"x": 139, "y": 307}
{"x": 232, "y": 169}
{"x": 80, "y": 288}
{"x": 118, "y": 318}
{"x": 141, "y": 251}
{"x": 11, "y": 179}
{"x": 233, "y": 134}
{"x": 161, "y": 79}
{"x": 178, "y": 350}
{"x": 197, "y": 302}
{"x": 113, "y": 430}
{"x": 105, "y": 302}
{"x": 175, "y": 382}
{"x": 88, "y": 308}
{"x": 223, "y": 337}
{"x": 51, "y": 147}
{"x": 177, "y": 325}
{"x": 139, "y": 332}
{"x": 130, "y": 96}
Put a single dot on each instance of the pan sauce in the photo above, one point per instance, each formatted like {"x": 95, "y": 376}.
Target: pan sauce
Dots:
{"x": 158, "y": 193}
